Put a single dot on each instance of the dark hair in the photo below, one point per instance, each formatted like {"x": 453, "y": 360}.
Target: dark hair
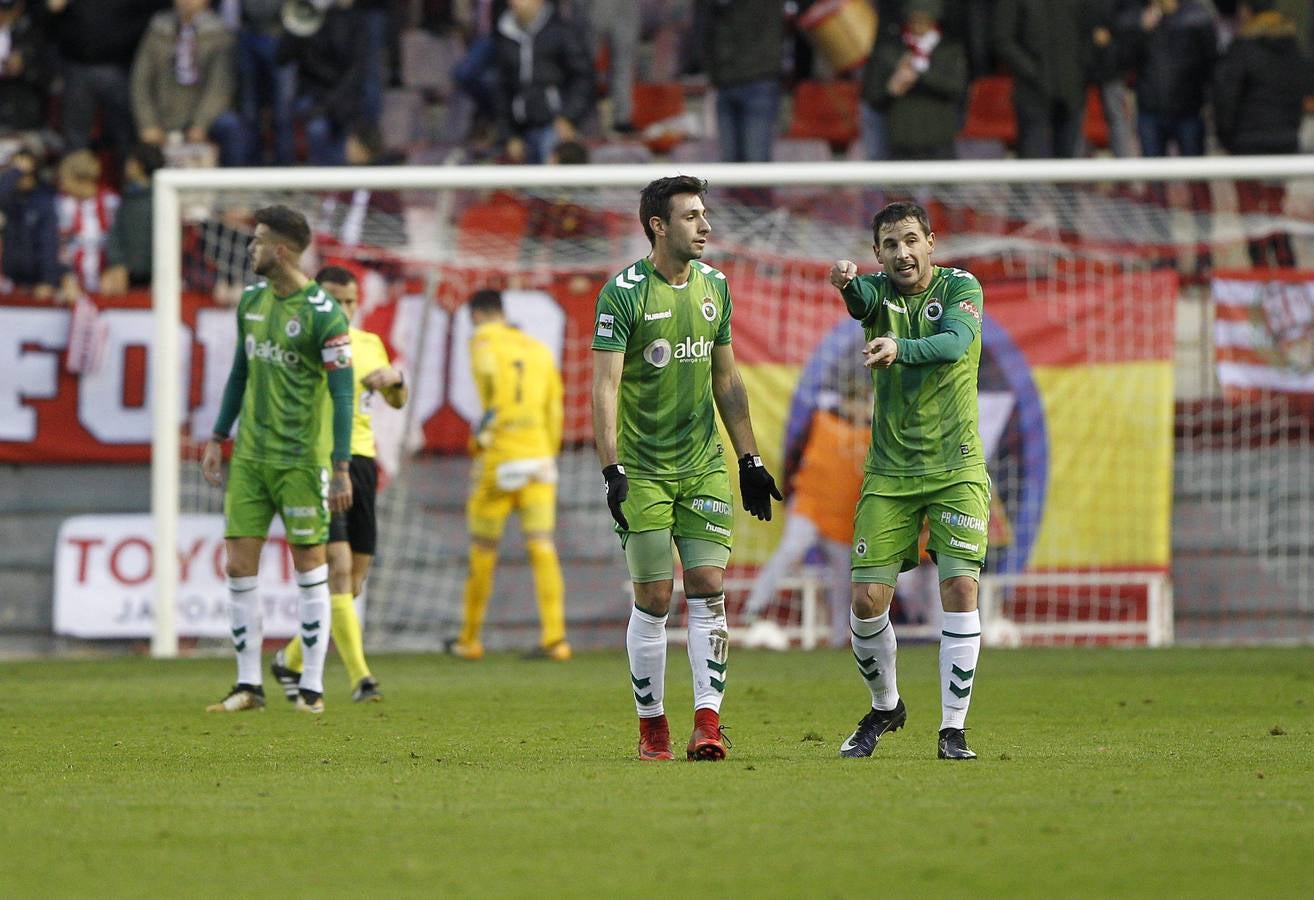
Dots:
{"x": 571, "y": 153}
{"x": 655, "y": 199}
{"x": 895, "y": 213}
{"x": 369, "y": 136}
{"x": 148, "y": 158}
{"x": 286, "y": 223}
{"x": 486, "y": 301}
{"x": 334, "y": 275}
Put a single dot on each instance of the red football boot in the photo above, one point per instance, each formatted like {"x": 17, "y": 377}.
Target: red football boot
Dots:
{"x": 706, "y": 742}
{"x": 655, "y": 739}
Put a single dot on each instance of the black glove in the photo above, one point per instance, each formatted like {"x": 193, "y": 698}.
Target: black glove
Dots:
{"x": 618, "y": 488}
{"x": 757, "y": 486}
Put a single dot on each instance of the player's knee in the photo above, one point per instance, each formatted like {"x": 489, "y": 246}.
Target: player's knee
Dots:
{"x": 653, "y": 597}
{"x": 871, "y": 599}
{"x": 704, "y": 581}
{"x": 958, "y": 593}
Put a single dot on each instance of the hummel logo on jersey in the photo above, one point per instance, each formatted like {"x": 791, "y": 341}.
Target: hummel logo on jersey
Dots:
{"x": 254, "y": 317}
{"x": 653, "y": 317}
{"x": 708, "y": 270}
{"x": 268, "y": 351}
{"x": 963, "y": 545}
{"x": 895, "y": 308}
{"x": 630, "y": 277}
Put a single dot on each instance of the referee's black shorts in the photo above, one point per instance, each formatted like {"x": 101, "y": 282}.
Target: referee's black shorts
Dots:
{"x": 357, "y": 525}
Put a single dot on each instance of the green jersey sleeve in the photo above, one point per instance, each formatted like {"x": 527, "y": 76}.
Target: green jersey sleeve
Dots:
{"x": 862, "y": 296}
{"x": 614, "y": 319}
{"x": 964, "y": 300}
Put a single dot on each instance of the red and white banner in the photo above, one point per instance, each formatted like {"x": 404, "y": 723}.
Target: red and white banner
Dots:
{"x": 105, "y": 579}
{"x": 1264, "y": 332}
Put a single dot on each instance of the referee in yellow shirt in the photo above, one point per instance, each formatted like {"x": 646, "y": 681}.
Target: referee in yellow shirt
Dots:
{"x": 353, "y": 535}
{"x": 515, "y": 468}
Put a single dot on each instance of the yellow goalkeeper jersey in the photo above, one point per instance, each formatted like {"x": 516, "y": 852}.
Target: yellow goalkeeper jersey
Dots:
{"x": 520, "y": 392}
{"x": 368, "y": 355}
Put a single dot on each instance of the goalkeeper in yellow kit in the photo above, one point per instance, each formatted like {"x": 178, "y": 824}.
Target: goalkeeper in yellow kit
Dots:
{"x": 515, "y": 468}
{"x": 353, "y": 534}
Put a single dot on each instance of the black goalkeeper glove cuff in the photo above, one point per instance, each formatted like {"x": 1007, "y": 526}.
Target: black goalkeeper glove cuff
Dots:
{"x": 757, "y": 486}
{"x": 618, "y": 488}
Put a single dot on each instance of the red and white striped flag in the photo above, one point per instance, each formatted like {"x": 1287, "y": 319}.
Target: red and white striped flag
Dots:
{"x": 1264, "y": 332}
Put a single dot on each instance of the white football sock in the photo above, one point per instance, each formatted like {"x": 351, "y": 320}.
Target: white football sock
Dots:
{"x": 709, "y": 647}
{"x": 314, "y": 614}
{"x": 645, "y": 639}
{"x": 875, "y": 649}
{"x": 960, "y": 645}
{"x": 248, "y": 635}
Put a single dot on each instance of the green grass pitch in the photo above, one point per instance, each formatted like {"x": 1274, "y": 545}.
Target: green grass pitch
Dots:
{"x": 1184, "y": 772}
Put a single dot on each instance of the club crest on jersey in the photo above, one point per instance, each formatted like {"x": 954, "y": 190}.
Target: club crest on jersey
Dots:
{"x": 658, "y": 353}
{"x": 709, "y": 309}
{"x": 860, "y": 547}
{"x": 293, "y": 327}
{"x": 934, "y": 310}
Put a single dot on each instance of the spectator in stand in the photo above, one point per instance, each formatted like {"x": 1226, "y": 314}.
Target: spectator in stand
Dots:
{"x": 916, "y": 78}
{"x": 183, "y": 81}
{"x": 545, "y": 80}
{"x": 96, "y": 40}
{"x": 25, "y": 69}
{"x": 329, "y": 68}
{"x": 128, "y": 250}
{"x": 264, "y": 86}
{"x": 745, "y": 72}
{"x": 86, "y": 211}
{"x": 1174, "y": 50}
{"x": 1259, "y": 97}
{"x": 376, "y": 18}
{"x": 618, "y": 22}
{"x": 30, "y": 227}
{"x": 1109, "y": 24}
{"x": 476, "y": 73}
{"x": 1041, "y": 42}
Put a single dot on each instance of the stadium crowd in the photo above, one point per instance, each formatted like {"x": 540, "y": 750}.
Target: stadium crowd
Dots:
{"x": 94, "y": 96}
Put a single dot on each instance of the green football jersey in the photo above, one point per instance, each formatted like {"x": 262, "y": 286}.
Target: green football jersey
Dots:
{"x": 925, "y": 416}
{"x": 291, "y": 343}
{"x": 666, "y": 419}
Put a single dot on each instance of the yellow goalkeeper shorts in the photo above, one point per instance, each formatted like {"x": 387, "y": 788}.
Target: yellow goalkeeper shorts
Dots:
{"x": 491, "y": 502}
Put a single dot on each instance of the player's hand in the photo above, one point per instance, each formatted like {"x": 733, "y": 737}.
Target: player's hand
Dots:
{"x": 880, "y": 353}
{"x": 340, "y": 491}
{"x": 212, "y": 461}
{"x": 381, "y": 378}
{"x": 757, "y": 486}
{"x": 844, "y": 271}
{"x": 618, "y": 488}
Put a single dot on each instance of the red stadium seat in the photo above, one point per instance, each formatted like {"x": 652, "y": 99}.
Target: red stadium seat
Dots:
{"x": 990, "y": 114}
{"x": 1094, "y": 126}
{"x": 656, "y": 102}
{"x": 827, "y": 110}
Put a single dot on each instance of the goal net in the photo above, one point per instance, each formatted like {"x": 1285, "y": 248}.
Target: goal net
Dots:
{"x": 1143, "y": 384}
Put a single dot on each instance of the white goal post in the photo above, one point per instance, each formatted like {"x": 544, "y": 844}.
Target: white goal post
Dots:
{"x": 170, "y": 186}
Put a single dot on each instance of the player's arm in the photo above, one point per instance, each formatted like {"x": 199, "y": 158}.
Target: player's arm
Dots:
{"x": 336, "y": 355}
{"x": 554, "y": 414}
{"x": 389, "y": 382}
{"x": 229, "y": 407}
{"x": 756, "y": 485}
{"x": 858, "y": 294}
{"x": 959, "y": 326}
{"x": 483, "y": 370}
{"x": 607, "y": 368}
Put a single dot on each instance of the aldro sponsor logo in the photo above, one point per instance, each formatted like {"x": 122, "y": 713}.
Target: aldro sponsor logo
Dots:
{"x": 660, "y": 352}
{"x": 270, "y": 352}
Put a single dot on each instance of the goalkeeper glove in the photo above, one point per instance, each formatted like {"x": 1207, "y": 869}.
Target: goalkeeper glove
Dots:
{"x": 757, "y": 486}
{"x": 618, "y": 488}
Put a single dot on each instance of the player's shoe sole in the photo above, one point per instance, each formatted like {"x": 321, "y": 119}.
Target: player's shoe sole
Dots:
{"x": 707, "y": 743}
{"x": 241, "y": 698}
{"x": 872, "y": 727}
{"x": 953, "y": 745}
{"x": 366, "y": 691}
{"x": 288, "y": 679}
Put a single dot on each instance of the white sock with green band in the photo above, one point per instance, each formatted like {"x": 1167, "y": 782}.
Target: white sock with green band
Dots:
{"x": 709, "y": 645}
{"x": 645, "y": 639}
{"x": 313, "y": 613}
{"x": 876, "y": 651}
{"x": 960, "y": 645}
{"x": 247, "y": 630}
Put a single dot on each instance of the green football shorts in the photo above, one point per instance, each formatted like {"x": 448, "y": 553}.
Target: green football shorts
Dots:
{"x": 299, "y": 494}
{"x": 889, "y": 516}
{"x": 697, "y": 507}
